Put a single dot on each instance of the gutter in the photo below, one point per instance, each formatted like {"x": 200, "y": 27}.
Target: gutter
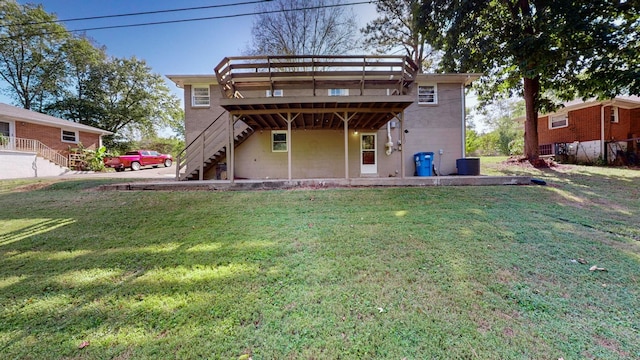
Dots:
{"x": 602, "y": 146}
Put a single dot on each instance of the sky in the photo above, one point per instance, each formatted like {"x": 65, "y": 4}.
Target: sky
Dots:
{"x": 193, "y": 47}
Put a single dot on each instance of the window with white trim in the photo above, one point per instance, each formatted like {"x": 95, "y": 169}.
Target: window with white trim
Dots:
{"x": 427, "y": 94}
{"x": 558, "y": 121}
{"x": 613, "y": 114}
{"x": 69, "y": 136}
{"x": 279, "y": 141}
{"x": 276, "y": 93}
{"x": 200, "y": 96}
{"x": 338, "y": 92}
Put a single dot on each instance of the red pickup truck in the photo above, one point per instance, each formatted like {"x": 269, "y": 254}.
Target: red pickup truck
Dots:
{"x": 135, "y": 160}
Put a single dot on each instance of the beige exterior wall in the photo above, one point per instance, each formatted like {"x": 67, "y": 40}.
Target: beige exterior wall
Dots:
{"x": 434, "y": 127}
{"x": 320, "y": 153}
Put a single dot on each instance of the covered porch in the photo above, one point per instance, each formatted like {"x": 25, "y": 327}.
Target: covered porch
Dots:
{"x": 343, "y": 95}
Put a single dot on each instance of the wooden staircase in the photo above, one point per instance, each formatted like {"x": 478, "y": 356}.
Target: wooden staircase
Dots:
{"x": 209, "y": 148}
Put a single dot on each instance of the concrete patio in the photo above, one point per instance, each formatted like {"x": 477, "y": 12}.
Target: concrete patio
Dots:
{"x": 226, "y": 185}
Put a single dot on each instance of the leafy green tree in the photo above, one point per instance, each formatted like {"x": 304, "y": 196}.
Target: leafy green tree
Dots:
{"x": 74, "y": 104}
{"x": 130, "y": 100}
{"x": 397, "y": 27}
{"x": 471, "y": 140}
{"x": 31, "y": 54}
{"x": 539, "y": 49}
{"x": 303, "y": 27}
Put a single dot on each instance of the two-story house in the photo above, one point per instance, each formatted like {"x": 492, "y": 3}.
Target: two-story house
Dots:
{"x": 315, "y": 117}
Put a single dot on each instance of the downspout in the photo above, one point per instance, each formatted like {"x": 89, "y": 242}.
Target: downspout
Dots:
{"x": 464, "y": 127}
{"x": 602, "y": 147}
{"x": 389, "y": 144}
{"x": 603, "y": 150}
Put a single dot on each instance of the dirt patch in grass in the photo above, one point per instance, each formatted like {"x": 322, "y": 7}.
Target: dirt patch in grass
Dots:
{"x": 610, "y": 344}
{"x": 33, "y": 186}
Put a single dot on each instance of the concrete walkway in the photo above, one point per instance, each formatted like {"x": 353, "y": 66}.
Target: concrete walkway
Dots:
{"x": 225, "y": 185}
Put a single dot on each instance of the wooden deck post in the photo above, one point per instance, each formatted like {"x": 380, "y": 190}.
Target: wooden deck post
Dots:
{"x": 231, "y": 150}
{"x": 346, "y": 145}
{"x": 289, "y": 120}
{"x": 402, "y": 145}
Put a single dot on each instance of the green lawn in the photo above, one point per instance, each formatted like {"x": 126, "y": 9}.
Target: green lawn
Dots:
{"x": 416, "y": 273}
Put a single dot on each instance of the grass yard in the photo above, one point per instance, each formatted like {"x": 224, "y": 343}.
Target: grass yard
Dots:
{"x": 377, "y": 273}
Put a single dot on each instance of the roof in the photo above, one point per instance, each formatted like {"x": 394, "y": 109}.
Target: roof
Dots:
{"x": 16, "y": 113}
{"x": 182, "y": 80}
{"x": 625, "y": 102}
{"x": 451, "y": 78}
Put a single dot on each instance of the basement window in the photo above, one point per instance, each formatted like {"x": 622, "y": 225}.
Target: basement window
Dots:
{"x": 427, "y": 94}
{"x": 69, "y": 136}
{"x": 200, "y": 96}
{"x": 558, "y": 121}
{"x": 279, "y": 141}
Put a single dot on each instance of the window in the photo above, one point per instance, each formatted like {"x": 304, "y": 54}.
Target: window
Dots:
{"x": 558, "y": 121}
{"x": 613, "y": 114}
{"x": 338, "y": 92}
{"x": 200, "y": 96}
{"x": 69, "y": 136}
{"x": 427, "y": 94}
{"x": 276, "y": 93}
{"x": 4, "y": 129}
{"x": 279, "y": 141}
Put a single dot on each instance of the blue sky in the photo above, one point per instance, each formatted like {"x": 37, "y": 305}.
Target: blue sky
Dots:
{"x": 194, "y": 47}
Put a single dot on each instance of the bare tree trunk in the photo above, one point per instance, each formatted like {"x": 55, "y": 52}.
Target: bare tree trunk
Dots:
{"x": 531, "y": 94}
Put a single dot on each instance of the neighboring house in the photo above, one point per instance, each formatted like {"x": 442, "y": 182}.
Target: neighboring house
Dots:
{"x": 592, "y": 130}
{"x": 27, "y": 138}
{"x": 314, "y": 117}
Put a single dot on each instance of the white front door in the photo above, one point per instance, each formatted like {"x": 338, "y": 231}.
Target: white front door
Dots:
{"x": 368, "y": 154}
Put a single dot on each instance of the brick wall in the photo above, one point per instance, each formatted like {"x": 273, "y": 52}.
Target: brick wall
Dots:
{"x": 52, "y": 136}
{"x": 583, "y": 125}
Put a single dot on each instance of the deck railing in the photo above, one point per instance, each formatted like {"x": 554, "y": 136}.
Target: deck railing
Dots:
{"x": 239, "y": 73}
{"x": 35, "y": 146}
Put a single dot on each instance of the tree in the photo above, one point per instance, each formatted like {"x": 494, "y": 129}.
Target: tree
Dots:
{"x": 303, "y": 27}
{"x": 31, "y": 56}
{"x": 74, "y": 104}
{"x": 128, "y": 99}
{"x": 397, "y": 27}
{"x": 542, "y": 50}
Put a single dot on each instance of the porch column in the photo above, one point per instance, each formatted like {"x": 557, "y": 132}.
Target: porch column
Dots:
{"x": 401, "y": 147}
{"x": 346, "y": 145}
{"x": 231, "y": 150}
{"x": 289, "y": 120}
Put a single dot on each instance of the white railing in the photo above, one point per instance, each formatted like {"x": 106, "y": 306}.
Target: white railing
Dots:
{"x": 35, "y": 146}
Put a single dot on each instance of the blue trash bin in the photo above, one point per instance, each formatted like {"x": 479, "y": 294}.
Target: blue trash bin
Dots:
{"x": 424, "y": 161}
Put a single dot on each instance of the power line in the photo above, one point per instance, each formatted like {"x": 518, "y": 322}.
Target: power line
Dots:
{"x": 219, "y": 17}
{"x": 142, "y": 13}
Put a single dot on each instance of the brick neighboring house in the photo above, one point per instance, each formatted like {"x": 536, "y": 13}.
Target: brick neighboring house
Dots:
{"x": 592, "y": 130}
{"x": 315, "y": 117}
{"x": 25, "y": 131}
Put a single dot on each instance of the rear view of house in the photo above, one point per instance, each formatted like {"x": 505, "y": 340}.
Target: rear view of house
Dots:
{"x": 314, "y": 117}
{"x": 34, "y": 144}
{"x": 592, "y": 131}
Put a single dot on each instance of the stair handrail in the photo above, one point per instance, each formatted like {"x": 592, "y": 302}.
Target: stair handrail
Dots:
{"x": 33, "y": 145}
{"x": 181, "y": 157}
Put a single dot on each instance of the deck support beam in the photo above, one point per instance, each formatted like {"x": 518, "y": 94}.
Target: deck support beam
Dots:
{"x": 401, "y": 145}
{"x": 289, "y": 143}
{"x": 346, "y": 145}
{"x": 231, "y": 150}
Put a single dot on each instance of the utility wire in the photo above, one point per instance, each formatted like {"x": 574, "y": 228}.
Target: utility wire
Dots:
{"x": 218, "y": 17}
{"x": 192, "y": 19}
{"x": 142, "y": 13}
